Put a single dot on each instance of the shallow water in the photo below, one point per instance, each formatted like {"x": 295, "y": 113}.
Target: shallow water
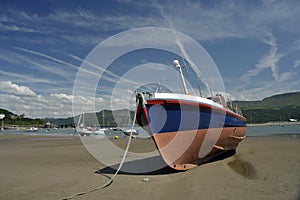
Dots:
{"x": 42, "y": 131}
{"x": 253, "y": 130}
{"x": 67, "y": 132}
{"x": 264, "y": 130}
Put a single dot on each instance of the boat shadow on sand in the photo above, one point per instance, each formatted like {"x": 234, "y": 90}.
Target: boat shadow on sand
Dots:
{"x": 154, "y": 166}
{"x": 146, "y": 166}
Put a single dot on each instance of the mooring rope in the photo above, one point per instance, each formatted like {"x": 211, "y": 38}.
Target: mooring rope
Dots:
{"x": 115, "y": 174}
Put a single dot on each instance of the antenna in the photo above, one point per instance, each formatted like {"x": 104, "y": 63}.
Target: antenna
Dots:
{"x": 210, "y": 91}
{"x": 184, "y": 64}
{"x": 158, "y": 86}
{"x": 199, "y": 87}
{"x": 176, "y": 64}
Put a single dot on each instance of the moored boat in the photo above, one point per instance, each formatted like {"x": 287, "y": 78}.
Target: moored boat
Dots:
{"x": 131, "y": 131}
{"x": 81, "y": 129}
{"x": 187, "y": 129}
{"x": 31, "y": 129}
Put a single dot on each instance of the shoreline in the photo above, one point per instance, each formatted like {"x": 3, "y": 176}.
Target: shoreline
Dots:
{"x": 275, "y": 124}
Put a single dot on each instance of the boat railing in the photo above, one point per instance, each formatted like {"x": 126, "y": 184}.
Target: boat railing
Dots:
{"x": 218, "y": 98}
{"x": 234, "y": 107}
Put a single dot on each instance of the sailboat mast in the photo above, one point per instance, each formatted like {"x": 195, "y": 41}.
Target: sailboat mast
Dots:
{"x": 1, "y": 117}
{"x": 158, "y": 85}
{"x": 83, "y": 119}
{"x": 78, "y": 122}
{"x": 199, "y": 87}
{"x": 103, "y": 119}
{"x": 176, "y": 64}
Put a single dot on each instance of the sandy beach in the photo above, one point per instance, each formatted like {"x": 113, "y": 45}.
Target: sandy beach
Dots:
{"x": 52, "y": 167}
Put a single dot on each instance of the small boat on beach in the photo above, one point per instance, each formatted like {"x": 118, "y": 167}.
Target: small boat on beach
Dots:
{"x": 81, "y": 129}
{"x": 99, "y": 131}
{"x": 1, "y": 117}
{"x": 130, "y": 131}
{"x": 102, "y": 130}
{"x": 188, "y": 130}
{"x": 31, "y": 129}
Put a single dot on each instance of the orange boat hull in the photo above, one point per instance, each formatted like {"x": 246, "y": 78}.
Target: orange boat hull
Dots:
{"x": 180, "y": 156}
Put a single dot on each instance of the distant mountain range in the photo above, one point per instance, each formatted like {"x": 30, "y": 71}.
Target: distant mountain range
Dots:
{"x": 104, "y": 118}
{"x": 276, "y": 108}
{"x": 280, "y": 107}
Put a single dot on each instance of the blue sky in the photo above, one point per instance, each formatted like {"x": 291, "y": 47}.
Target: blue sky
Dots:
{"x": 255, "y": 45}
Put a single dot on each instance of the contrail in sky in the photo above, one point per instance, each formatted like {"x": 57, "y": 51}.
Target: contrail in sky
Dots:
{"x": 182, "y": 49}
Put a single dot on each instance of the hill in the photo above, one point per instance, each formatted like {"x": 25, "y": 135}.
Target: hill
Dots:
{"x": 19, "y": 120}
{"x": 280, "y": 107}
{"x": 104, "y": 118}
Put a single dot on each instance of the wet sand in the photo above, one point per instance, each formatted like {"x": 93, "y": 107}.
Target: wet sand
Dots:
{"x": 42, "y": 167}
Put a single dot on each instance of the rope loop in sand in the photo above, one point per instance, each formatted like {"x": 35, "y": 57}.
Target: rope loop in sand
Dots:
{"x": 115, "y": 174}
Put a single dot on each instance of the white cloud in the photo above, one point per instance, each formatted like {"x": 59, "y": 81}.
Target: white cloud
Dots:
{"x": 296, "y": 63}
{"x": 23, "y": 78}
{"x": 268, "y": 61}
{"x": 88, "y": 67}
{"x": 14, "y": 27}
{"x": 265, "y": 89}
{"x": 44, "y": 75}
{"x": 197, "y": 19}
{"x": 53, "y": 105}
{"x": 48, "y": 57}
{"x": 48, "y": 67}
{"x": 11, "y": 88}
{"x": 232, "y": 19}
{"x": 287, "y": 82}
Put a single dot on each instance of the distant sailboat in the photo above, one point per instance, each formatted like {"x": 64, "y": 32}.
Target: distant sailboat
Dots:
{"x": 1, "y": 117}
{"x": 130, "y": 129}
{"x": 101, "y": 131}
{"x": 81, "y": 129}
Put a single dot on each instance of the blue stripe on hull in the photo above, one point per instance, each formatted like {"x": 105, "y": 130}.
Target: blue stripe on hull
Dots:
{"x": 171, "y": 118}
